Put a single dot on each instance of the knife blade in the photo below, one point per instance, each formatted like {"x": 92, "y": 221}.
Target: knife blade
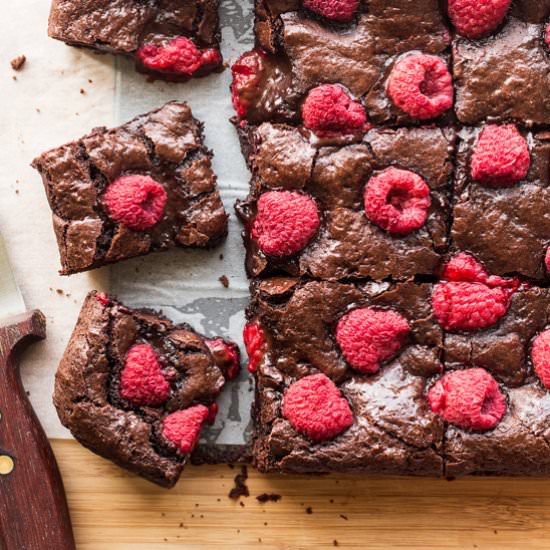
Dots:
{"x": 33, "y": 507}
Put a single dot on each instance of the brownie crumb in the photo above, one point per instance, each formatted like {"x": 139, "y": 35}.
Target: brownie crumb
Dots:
{"x": 268, "y": 497}
{"x": 343, "y": 516}
{"x": 82, "y": 91}
{"x": 224, "y": 281}
{"x": 221, "y": 256}
{"x": 18, "y": 62}
{"x": 240, "y": 489}
{"x": 335, "y": 543}
{"x": 309, "y": 510}
{"x": 60, "y": 291}
{"x": 241, "y": 504}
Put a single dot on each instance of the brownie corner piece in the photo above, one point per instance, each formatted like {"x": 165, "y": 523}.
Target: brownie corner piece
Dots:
{"x": 137, "y": 389}
{"x": 359, "y": 196}
{"x": 166, "y": 38}
{"x": 145, "y": 186}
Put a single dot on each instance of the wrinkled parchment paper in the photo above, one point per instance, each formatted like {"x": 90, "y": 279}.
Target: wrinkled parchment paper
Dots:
{"x": 59, "y": 95}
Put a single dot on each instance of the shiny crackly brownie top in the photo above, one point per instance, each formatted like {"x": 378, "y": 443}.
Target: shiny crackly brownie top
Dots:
{"x": 137, "y": 389}
{"x": 433, "y": 379}
{"x": 375, "y": 206}
{"x": 147, "y": 185}
{"x": 168, "y": 38}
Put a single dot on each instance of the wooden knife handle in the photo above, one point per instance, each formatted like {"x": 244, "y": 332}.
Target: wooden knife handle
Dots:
{"x": 33, "y": 507}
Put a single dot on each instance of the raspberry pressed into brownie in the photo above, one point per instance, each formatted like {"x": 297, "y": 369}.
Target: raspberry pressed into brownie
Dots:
{"x": 168, "y": 39}
{"x": 142, "y": 187}
{"x": 137, "y": 389}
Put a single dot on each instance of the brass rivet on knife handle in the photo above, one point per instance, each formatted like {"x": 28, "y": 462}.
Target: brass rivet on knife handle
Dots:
{"x": 7, "y": 465}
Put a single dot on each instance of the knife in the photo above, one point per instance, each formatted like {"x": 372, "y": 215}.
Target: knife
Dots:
{"x": 33, "y": 507}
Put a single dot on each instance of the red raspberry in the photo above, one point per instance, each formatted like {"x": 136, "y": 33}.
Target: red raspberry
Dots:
{"x": 547, "y": 259}
{"x": 213, "y": 410}
{"x": 183, "y": 428}
{"x": 179, "y": 56}
{"x": 247, "y": 73}
{"x": 226, "y": 355}
{"x": 397, "y": 201}
{"x": 421, "y": 86}
{"x": 547, "y": 35}
{"x": 368, "y": 337}
{"x": 315, "y": 407}
{"x": 137, "y": 202}
{"x": 470, "y": 399}
{"x": 476, "y": 18}
{"x": 337, "y": 10}
{"x": 285, "y": 223}
{"x": 540, "y": 355}
{"x": 501, "y": 157}
{"x": 141, "y": 380}
{"x": 471, "y": 299}
{"x": 254, "y": 341}
{"x": 103, "y": 299}
{"x": 329, "y": 110}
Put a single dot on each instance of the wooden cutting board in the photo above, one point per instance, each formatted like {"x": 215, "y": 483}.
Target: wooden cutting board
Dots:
{"x": 113, "y": 510}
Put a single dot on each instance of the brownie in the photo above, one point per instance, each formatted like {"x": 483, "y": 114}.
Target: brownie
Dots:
{"x": 163, "y": 151}
{"x": 305, "y": 50}
{"x": 105, "y": 408}
{"x": 348, "y": 244}
{"x": 394, "y": 430}
{"x": 168, "y": 38}
{"x": 506, "y": 75}
{"x": 507, "y": 228}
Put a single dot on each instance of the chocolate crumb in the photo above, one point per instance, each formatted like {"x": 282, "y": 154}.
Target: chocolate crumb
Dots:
{"x": 60, "y": 291}
{"x": 82, "y": 91}
{"x": 343, "y": 516}
{"x": 240, "y": 488}
{"x": 309, "y": 510}
{"x": 224, "y": 281}
{"x": 334, "y": 542}
{"x": 241, "y": 503}
{"x": 221, "y": 256}
{"x": 18, "y": 62}
{"x": 267, "y": 497}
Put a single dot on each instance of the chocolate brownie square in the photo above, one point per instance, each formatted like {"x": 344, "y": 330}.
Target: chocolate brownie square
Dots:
{"x": 506, "y": 75}
{"x": 167, "y": 38}
{"x": 364, "y": 48}
{"x": 145, "y": 186}
{"x": 421, "y": 379}
{"x": 503, "y": 198}
{"x": 378, "y": 206}
{"x": 137, "y": 389}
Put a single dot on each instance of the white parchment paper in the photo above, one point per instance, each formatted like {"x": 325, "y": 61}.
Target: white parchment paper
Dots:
{"x": 61, "y": 94}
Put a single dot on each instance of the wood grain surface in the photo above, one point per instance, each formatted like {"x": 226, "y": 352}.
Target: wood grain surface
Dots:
{"x": 113, "y": 510}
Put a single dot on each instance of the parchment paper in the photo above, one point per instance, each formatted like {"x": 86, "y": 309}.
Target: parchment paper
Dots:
{"x": 59, "y": 95}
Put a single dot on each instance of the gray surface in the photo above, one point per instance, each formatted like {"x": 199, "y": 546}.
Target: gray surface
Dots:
{"x": 184, "y": 283}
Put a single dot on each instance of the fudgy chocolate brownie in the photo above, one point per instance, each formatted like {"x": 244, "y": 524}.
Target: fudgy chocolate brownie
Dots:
{"x": 142, "y": 187}
{"x": 368, "y": 48}
{"x": 372, "y": 207}
{"x": 503, "y": 198}
{"x": 167, "y": 38}
{"x": 425, "y": 379}
{"x": 137, "y": 389}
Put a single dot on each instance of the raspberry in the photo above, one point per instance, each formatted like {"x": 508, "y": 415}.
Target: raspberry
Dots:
{"x": 141, "y": 380}
{"x": 212, "y": 413}
{"x": 285, "y": 223}
{"x": 254, "y": 341}
{"x": 183, "y": 428}
{"x": 421, "y": 86}
{"x": 337, "y": 10}
{"x": 501, "y": 157}
{"x": 103, "y": 299}
{"x": 137, "y": 202}
{"x": 540, "y": 355}
{"x": 470, "y": 399}
{"x": 329, "y": 110}
{"x": 315, "y": 407}
{"x": 179, "y": 56}
{"x": 547, "y": 35}
{"x": 476, "y": 18}
{"x": 247, "y": 72}
{"x": 226, "y": 355}
{"x": 397, "y": 201}
{"x": 547, "y": 259}
{"x": 367, "y": 337}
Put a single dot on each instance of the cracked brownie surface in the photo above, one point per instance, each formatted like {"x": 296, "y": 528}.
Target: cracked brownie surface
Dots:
{"x": 164, "y": 146}
{"x": 167, "y": 38}
{"x": 136, "y": 389}
{"x": 348, "y": 243}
